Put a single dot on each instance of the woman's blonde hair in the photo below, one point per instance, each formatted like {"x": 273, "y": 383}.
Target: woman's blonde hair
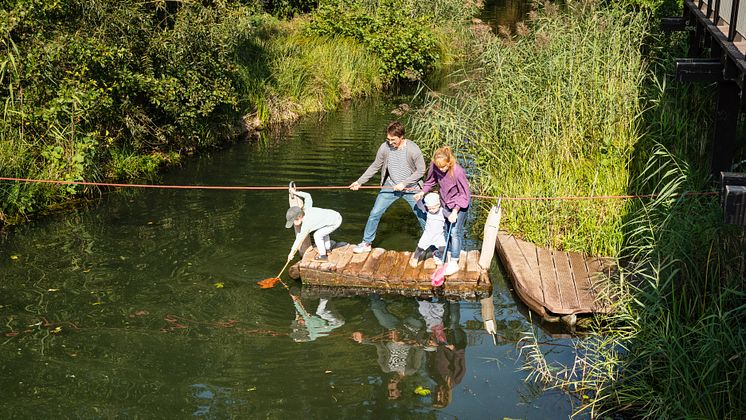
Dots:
{"x": 444, "y": 157}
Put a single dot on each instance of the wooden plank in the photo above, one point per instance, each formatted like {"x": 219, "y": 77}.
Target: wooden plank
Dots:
{"x": 529, "y": 254}
{"x": 385, "y": 265}
{"x": 598, "y": 272}
{"x": 582, "y": 281}
{"x": 517, "y": 263}
{"x": 411, "y": 274}
{"x": 356, "y": 263}
{"x": 341, "y": 256}
{"x": 401, "y": 264}
{"x": 473, "y": 268}
{"x": 371, "y": 264}
{"x": 427, "y": 270}
{"x": 566, "y": 282}
{"x": 309, "y": 260}
{"x": 549, "y": 285}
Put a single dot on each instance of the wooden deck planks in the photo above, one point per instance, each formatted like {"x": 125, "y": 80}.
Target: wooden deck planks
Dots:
{"x": 389, "y": 271}
{"x": 341, "y": 256}
{"x": 565, "y": 280}
{"x": 554, "y": 282}
{"x": 549, "y": 283}
{"x": 401, "y": 264}
{"x": 371, "y": 264}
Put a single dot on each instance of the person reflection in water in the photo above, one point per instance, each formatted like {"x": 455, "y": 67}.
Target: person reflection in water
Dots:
{"x": 447, "y": 364}
{"x": 307, "y": 327}
{"x": 400, "y": 354}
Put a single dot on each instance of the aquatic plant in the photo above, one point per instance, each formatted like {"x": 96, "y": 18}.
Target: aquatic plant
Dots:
{"x": 613, "y": 123}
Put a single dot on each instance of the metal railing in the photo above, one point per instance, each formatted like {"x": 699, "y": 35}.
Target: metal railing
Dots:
{"x": 727, "y": 12}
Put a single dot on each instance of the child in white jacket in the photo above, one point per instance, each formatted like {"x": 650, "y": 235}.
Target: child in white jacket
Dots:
{"x": 320, "y": 222}
{"x": 433, "y": 236}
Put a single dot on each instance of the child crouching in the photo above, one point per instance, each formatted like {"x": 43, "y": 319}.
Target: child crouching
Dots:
{"x": 433, "y": 235}
{"x": 322, "y": 222}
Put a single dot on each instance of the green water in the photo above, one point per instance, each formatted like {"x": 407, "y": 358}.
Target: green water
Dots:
{"x": 504, "y": 12}
{"x": 145, "y": 304}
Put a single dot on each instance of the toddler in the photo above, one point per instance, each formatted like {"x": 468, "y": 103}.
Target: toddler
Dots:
{"x": 433, "y": 236}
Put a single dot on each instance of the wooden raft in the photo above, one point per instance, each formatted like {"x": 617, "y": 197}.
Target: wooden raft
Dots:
{"x": 555, "y": 283}
{"x": 384, "y": 271}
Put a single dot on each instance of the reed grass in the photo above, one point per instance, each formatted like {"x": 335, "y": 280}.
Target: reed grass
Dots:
{"x": 313, "y": 74}
{"x": 575, "y": 108}
{"x": 553, "y": 113}
{"x": 674, "y": 345}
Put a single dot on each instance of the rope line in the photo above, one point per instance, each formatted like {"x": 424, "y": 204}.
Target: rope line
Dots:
{"x": 333, "y": 187}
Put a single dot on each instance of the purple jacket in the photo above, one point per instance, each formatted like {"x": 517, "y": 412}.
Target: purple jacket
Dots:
{"x": 454, "y": 190}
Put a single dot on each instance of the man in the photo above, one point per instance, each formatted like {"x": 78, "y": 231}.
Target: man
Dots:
{"x": 402, "y": 167}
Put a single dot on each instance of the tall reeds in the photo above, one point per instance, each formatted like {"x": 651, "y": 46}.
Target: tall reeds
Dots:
{"x": 552, "y": 113}
{"x": 575, "y": 108}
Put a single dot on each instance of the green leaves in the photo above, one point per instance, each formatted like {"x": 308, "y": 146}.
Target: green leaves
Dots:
{"x": 405, "y": 44}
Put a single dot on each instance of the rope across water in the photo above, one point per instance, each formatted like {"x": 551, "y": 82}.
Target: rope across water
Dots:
{"x": 330, "y": 187}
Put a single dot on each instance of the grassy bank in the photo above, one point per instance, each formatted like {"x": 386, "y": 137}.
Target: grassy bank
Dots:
{"x": 116, "y": 90}
{"x": 571, "y": 106}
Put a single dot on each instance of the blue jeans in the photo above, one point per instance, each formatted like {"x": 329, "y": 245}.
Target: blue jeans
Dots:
{"x": 457, "y": 233}
{"x": 383, "y": 201}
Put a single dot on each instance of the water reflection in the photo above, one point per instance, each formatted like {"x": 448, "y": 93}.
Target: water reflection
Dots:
{"x": 504, "y": 12}
{"x": 428, "y": 345}
{"x": 307, "y": 327}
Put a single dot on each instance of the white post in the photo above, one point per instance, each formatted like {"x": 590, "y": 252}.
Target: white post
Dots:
{"x": 491, "y": 229}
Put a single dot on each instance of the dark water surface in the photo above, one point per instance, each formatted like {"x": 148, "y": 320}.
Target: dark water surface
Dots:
{"x": 145, "y": 305}
{"x": 504, "y": 12}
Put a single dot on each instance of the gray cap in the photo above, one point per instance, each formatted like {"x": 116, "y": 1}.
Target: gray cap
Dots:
{"x": 292, "y": 214}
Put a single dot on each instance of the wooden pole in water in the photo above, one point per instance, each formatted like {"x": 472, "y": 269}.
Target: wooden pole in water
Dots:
{"x": 488, "y": 317}
{"x": 491, "y": 229}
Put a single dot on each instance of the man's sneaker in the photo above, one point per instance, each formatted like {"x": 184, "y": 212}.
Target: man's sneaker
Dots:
{"x": 322, "y": 258}
{"x": 452, "y": 267}
{"x": 438, "y": 262}
{"x": 361, "y": 248}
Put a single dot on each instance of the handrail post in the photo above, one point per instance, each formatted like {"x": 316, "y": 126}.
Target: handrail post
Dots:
{"x": 732, "y": 30}
{"x": 716, "y": 18}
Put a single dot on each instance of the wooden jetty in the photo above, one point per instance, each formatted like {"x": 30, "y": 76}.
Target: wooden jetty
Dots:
{"x": 554, "y": 283}
{"x": 385, "y": 271}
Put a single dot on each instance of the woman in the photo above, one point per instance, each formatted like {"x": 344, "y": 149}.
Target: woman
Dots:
{"x": 455, "y": 197}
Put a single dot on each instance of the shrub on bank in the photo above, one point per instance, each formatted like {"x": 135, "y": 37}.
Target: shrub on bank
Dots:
{"x": 399, "y": 32}
{"x": 111, "y": 89}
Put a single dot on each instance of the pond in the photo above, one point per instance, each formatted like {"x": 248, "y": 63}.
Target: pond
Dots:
{"x": 145, "y": 304}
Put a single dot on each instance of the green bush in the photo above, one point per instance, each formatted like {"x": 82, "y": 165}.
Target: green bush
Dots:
{"x": 80, "y": 79}
{"x": 288, "y": 8}
{"x": 403, "y": 41}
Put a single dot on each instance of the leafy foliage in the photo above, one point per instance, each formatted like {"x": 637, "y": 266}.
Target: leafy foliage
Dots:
{"x": 82, "y": 79}
{"x": 400, "y": 38}
{"x": 289, "y": 8}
